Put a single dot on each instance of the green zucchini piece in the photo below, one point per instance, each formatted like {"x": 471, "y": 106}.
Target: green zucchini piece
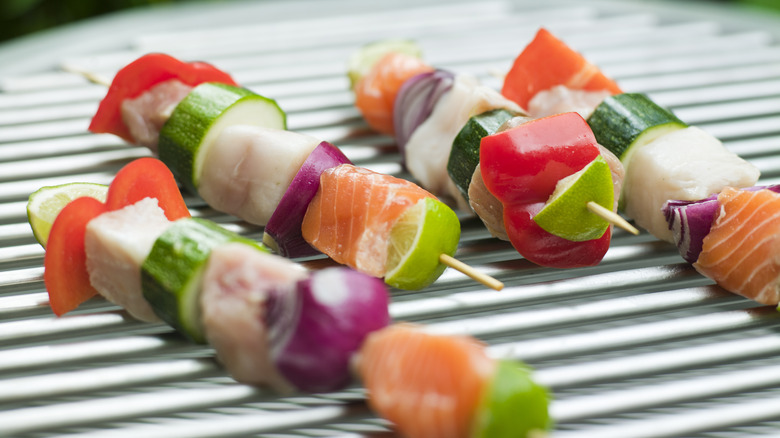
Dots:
{"x": 625, "y": 122}
{"x": 172, "y": 274}
{"x": 200, "y": 117}
{"x": 464, "y": 155}
{"x": 513, "y": 404}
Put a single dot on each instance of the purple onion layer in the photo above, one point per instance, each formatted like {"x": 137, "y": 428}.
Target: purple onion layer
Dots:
{"x": 415, "y": 101}
{"x": 283, "y": 230}
{"x": 691, "y": 221}
{"x": 315, "y": 331}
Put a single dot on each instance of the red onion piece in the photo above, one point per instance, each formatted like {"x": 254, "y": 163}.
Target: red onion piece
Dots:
{"x": 415, "y": 101}
{"x": 314, "y": 331}
{"x": 691, "y": 221}
{"x": 283, "y": 230}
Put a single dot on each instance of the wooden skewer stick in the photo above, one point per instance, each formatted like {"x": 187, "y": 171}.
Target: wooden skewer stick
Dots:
{"x": 611, "y": 217}
{"x": 88, "y": 75}
{"x": 471, "y": 272}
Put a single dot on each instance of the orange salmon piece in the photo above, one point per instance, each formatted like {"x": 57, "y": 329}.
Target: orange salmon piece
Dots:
{"x": 546, "y": 62}
{"x": 427, "y": 385}
{"x": 375, "y": 93}
{"x": 742, "y": 250}
{"x": 353, "y": 212}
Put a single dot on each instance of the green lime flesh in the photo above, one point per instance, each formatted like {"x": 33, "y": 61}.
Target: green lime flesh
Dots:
{"x": 196, "y": 122}
{"x": 566, "y": 213}
{"x": 513, "y": 405}
{"x": 45, "y": 204}
{"x": 424, "y": 232}
{"x": 172, "y": 274}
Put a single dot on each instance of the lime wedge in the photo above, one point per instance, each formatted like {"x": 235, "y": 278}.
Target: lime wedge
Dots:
{"x": 566, "y": 214}
{"x": 424, "y": 232}
{"x": 45, "y": 204}
{"x": 361, "y": 62}
{"x": 513, "y": 404}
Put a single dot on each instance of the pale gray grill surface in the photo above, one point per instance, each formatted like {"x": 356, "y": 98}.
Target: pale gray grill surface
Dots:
{"x": 640, "y": 345}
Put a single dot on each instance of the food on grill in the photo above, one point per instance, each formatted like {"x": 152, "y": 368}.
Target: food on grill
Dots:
{"x": 690, "y": 221}
{"x": 316, "y": 329}
{"x": 116, "y": 244}
{"x": 625, "y": 123}
{"x": 686, "y": 164}
{"x": 196, "y": 124}
{"x": 376, "y": 91}
{"x": 561, "y": 99}
{"x": 172, "y": 273}
{"x": 226, "y": 144}
{"x": 45, "y": 204}
{"x": 361, "y": 61}
{"x": 442, "y": 118}
{"x": 522, "y": 167}
{"x": 442, "y": 386}
{"x": 238, "y": 284}
{"x": 65, "y": 261}
{"x": 282, "y": 233}
{"x": 273, "y": 323}
{"x": 427, "y": 152}
{"x": 740, "y": 251}
{"x": 139, "y": 77}
{"x": 352, "y": 216}
{"x": 65, "y": 264}
{"x": 547, "y": 62}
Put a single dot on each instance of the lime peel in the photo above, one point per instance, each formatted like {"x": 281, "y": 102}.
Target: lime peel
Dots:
{"x": 45, "y": 204}
{"x": 566, "y": 215}
{"x": 424, "y": 232}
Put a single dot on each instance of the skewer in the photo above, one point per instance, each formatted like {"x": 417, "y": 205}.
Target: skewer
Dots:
{"x": 471, "y": 272}
{"x": 611, "y": 217}
{"x": 445, "y": 259}
{"x": 88, "y": 75}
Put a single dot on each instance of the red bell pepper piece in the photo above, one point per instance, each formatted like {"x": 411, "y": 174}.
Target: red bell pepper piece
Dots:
{"x": 521, "y": 168}
{"x": 141, "y": 75}
{"x": 65, "y": 262}
{"x": 147, "y": 178}
{"x": 546, "y": 62}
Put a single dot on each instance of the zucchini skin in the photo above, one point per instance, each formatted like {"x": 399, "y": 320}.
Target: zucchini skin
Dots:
{"x": 172, "y": 273}
{"x": 620, "y": 120}
{"x": 464, "y": 155}
{"x": 186, "y": 135}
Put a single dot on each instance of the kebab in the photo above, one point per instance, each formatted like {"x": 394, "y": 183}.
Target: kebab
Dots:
{"x": 229, "y": 146}
{"x": 272, "y": 322}
{"x": 681, "y": 184}
{"x": 440, "y": 120}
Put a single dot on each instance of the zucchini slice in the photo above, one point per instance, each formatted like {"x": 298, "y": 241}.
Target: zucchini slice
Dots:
{"x": 199, "y": 118}
{"x": 464, "y": 155}
{"x": 625, "y": 122}
{"x": 172, "y": 274}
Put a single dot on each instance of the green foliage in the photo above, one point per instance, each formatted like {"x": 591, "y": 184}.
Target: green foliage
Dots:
{"x": 20, "y": 17}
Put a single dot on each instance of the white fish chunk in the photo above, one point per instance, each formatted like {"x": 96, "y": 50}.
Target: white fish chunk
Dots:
{"x": 117, "y": 243}
{"x": 687, "y": 164}
{"x": 428, "y": 149}
{"x": 249, "y": 168}
{"x": 561, "y": 99}
{"x": 145, "y": 115}
{"x": 236, "y": 286}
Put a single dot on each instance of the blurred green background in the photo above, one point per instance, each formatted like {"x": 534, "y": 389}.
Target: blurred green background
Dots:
{"x": 21, "y": 17}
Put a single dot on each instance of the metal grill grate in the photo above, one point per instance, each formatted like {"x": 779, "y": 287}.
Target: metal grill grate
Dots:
{"x": 640, "y": 345}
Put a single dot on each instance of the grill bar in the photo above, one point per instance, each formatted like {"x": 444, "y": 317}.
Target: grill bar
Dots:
{"x": 640, "y": 345}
